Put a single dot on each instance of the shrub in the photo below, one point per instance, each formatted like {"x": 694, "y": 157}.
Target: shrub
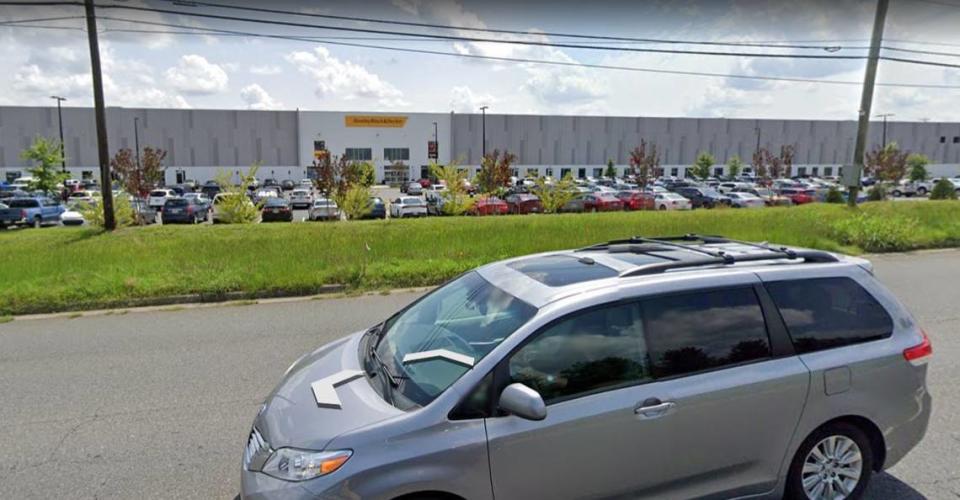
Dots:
{"x": 356, "y": 202}
{"x": 875, "y": 233}
{"x": 455, "y": 198}
{"x": 834, "y": 196}
{"x": 234, "y": 206}
{"x": 555, "y": 195}
{"x": 943, "y": 190}
{"x": 877, "y": 193}
{"x": 122, "y": 212}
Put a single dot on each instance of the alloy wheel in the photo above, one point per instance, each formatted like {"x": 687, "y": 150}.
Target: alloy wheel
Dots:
{"x": 832, "y": 469}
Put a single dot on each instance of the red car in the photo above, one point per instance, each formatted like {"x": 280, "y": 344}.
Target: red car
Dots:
{"x": 425, "y": 183}
{"x": 524, "y": 203}
{"x": 601, "y": 202}
{"x": 637, "y": 200}
{"x": 489, "y": 206}
{"x": 798, "y": 196}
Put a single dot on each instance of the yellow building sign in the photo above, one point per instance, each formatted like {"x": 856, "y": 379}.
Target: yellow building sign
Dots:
{"x": 380, "y": 121}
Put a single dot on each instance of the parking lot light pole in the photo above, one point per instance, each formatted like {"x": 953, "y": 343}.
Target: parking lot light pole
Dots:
{"x": 436, "y": 141}
{"x": 883, "y": 140}
{"x": 136, "y": 138}
{"x": 483, "y": 146}
{"x": 63, "y": 156}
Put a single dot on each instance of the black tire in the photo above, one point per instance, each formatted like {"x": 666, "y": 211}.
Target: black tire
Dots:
{"x": 663, "y": 207}
{"x": 794, "y": 488}
{"x": 896, "y": 193}
{"x": 922, "y": 191}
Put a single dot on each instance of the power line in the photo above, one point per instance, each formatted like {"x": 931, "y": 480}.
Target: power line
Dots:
{"x": 39, "y": 19}
{"x": 927, "y": 52}
{"x": 917, "y": 61}
{"x": 535, "y": 61}
{"x": 482, "y": 40}
{"x": 499, "y": 31}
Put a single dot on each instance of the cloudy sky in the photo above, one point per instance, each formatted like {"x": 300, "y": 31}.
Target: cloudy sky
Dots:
{"x": 199, "y": 68}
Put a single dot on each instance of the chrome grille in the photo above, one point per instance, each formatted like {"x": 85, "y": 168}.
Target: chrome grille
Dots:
{"x": 257, "y": 451}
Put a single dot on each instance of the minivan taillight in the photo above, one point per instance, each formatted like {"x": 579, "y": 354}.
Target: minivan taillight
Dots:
{"x": 921, "y": 352}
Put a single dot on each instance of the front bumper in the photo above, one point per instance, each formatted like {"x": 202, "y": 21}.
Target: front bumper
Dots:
{"x": 259, "y": 486}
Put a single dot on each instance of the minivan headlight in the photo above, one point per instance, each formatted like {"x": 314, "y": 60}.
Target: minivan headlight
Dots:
{"x": 292, "y": 464}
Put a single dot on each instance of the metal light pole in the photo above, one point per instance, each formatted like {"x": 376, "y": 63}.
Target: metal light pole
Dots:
{"x": 883, "y": 141}
{"x": 136, "y": 138}
{"x": 63, "y": 156}
{"x": 436, "y": 140}
{"x": 483, "y": 147}
{"x": 757, "y": 129}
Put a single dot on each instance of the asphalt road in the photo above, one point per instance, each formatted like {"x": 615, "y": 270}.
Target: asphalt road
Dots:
{"x": 158, "y": 404}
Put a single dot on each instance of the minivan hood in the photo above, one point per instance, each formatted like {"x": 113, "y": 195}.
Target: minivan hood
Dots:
{"x": 291, "y": 416}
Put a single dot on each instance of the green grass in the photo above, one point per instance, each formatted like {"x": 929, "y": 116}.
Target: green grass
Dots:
{"x": 76, "y": 268}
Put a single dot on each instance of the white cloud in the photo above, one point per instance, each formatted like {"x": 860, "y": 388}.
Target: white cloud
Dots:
{"x": 338, "y": 79}
{"x": 257, "y": 98}
{"x": 464, "y": 100}
{"x": 32, "y": 78}
{"x": 193, "y": 74}
{"x": 266, "y": 70}
{"x": 409, "y": 6}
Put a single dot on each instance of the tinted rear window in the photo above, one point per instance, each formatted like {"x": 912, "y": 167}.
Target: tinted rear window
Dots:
{"x": 176, "y": 203}
{"x": 823, "y": 313}
{"x": 23, "y": 203}
{"x": 561, "y": 270}
{"x": 276, "y": 202}
{"x": 700, "y": 331}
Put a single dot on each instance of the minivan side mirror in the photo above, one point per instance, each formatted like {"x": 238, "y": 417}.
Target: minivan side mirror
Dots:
{"x": 523, "y": 402}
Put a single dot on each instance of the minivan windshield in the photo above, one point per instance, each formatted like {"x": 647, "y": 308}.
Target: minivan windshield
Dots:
{"x": 465, "y": 318}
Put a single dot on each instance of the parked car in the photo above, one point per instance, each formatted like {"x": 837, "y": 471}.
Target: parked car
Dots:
{"x": 425, "y": 183}
{"x": 210, "y": 189}
{"x": 574, "y": 205}
{"x": 276, "y": 210}
{"x": 770, "y": 197}
{"x": 72, "y": 216}
{"x": 797, "y": 196}
{"x": 731, "y": 186}
{"x": 33, "y": 211}
{"x": 741, "y": 199}
{"x": 671, "y": 201}
{"x": 911, "y": 188}
{"x": 413, "y": 189}
{"x": 159, "y": 197}
{"x": 408, "y": 206}
{"x": 143, "y": 213}
{"x": 268, "y": 192}
{"x": 184, "y": 211}
{"x": 489, "y": 206}
{"x": 200, "y": 198}
{"x": 523, "y": 203}
{"x": 324, "y": 209}
{"x": 601, "y": 202}
{"x": 637, "y": 200}
{"x": 84, "y": 196}
{"x": 287, "y": 185}
{"x": 703, "y": 197}
{"x": 798, "y": 360}
{"x": 270, "y": 183}
{"x": 301, "y": 198}
{"x": 378, "y": 209}
{"x": 306, "y": 184}
{"x": 216, "y": 211}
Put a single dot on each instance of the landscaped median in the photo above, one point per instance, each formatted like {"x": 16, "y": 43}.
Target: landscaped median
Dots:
{"x": 63, "y": 269}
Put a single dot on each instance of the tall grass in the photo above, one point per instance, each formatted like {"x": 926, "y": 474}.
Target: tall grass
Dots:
{"x": 67, "y": 269}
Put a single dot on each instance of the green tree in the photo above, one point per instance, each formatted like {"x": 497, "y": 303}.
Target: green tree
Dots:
{"x": 834, "y": 195}
{"x": 356, "y": 202}
{"x": 917, "y": 165}
{"x": 701, "y": 167}
{"x": 122, "y": 212}
{"x": 234, "y": 206}
{"x": 734, "y": 166}
{"x": 363, "y": 173}
{"x": 48, "y": 156}
{"x": 611, "y": 171}
{"x": 553, "y": 196}
{"x": 943, "y": 190}
{"x": 456, "y": 201}
{"x": 877, "y": 192}
{"x": 494, "y": 175}
{"x": 887, "y": 163}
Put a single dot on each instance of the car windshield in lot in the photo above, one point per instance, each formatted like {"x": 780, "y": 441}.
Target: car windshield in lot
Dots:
{"x": 467, "y": 317}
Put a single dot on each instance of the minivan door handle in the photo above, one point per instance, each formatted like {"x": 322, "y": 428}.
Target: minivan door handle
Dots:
{"x": 652, "y": 408}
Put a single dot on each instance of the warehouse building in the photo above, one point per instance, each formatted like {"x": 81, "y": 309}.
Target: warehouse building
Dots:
{"x": 201, "y": 143}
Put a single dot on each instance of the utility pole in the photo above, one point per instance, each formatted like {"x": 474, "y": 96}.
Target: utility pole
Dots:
{"x": 483, "y": 146}
{"x": 883, "y": 141}
{"x": 63, "y": 154}
{"x": 866, "y": 100}
{"x": 136, "y": 138}
{"x": 106, "y": 184}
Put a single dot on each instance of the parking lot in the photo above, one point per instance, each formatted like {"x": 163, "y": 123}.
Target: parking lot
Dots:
{"x": 158, "y": 404}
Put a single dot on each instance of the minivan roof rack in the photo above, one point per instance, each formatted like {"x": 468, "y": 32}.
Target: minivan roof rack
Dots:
{"x": 711, "y": 257}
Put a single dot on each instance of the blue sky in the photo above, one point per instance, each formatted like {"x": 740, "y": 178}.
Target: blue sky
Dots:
{"x": 166, "y": 70}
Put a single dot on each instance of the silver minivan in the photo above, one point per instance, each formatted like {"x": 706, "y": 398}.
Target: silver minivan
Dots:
{"x": 683, "y": 367}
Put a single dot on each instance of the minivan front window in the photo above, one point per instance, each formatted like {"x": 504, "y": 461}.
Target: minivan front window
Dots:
{"x": 467, "y": 318}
